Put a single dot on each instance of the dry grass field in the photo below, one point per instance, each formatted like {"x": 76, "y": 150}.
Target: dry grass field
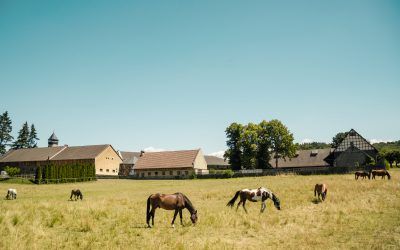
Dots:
{"x": 357, "y": 214}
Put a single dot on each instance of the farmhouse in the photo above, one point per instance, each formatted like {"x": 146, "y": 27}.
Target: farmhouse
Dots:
{"x": 105, "y": 159}
{"x": 216, "y": 163}
{"x": 129, "y": 160}
{"x": 352, "y": 151}
{"x": 171, "y": 163}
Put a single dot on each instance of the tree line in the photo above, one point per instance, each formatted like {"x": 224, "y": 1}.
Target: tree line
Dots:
{"x": 253, "y": 145}
{"x": 27, "y": 135}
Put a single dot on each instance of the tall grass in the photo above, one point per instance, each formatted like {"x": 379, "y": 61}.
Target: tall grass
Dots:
{"x": 356, "y": 214}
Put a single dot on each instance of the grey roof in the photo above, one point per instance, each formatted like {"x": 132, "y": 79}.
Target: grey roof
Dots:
{"x": 215, "y": 161}
{"x": 53, "y": 137}
{"x": 129, "y": 157}
{"x": 305, "y": 158}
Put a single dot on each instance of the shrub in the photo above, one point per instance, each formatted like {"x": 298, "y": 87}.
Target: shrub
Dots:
{"x": 228, "y": 173}
{"x": 12, "y": 171}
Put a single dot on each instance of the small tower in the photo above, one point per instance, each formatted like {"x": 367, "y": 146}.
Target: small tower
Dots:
{"x": 53, "y": 141}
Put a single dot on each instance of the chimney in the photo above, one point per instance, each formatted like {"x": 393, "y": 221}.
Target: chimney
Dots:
{"x": 141, "y": 153}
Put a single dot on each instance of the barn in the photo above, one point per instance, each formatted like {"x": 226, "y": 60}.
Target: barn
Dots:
{"x": 181, "y": 163}
{"x": 105, "y": 159}
{"x": 216, "y": 163}
{"x": 353, "y": 151}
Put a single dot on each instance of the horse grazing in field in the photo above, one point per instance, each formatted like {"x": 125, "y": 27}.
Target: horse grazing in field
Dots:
{"x": 362, "y": 174}
{"x": 321, "y": 190}
{"x": 76, "y": 193}
{"x": 254, "y": 195}
{"x": 177, "y": 202}
{"x": 11, "y": 194}
{"x": 381, "y": 172}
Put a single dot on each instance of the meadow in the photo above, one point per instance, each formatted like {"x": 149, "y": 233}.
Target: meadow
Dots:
{"x": 357, "y": 214}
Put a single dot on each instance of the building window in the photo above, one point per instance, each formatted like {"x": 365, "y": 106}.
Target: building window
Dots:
{"x": 101, "y": 170}
{"x": 142, "y": 174}
{"x": 186, "y": 172}
{"x": 178, "y": 172}
{"x": 155, "y": 173}
{"x": 171, "y": 173}
{"x": 107, "y": 170}
{"x": 148, "y": 173}
{"x": 163, "y": 172}
{"x": 113, "y": 171}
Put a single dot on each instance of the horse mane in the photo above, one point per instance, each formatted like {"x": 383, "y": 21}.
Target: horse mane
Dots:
{"x": 188, "y": 203}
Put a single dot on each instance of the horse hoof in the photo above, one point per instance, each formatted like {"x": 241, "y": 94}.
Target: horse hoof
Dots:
{"x": 173, "y": 226}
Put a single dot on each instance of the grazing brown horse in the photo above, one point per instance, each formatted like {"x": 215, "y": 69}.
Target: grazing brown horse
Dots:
{"x": 362, "y": 174}
{"x": 177, "y": 202}
{"x": 381, "y": 172}
{"x": 321, "y": 190}
{"x": 254, "y": 195}
{"x": 76, "y": 193}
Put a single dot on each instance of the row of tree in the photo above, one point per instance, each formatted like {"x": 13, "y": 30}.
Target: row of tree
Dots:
{"x": 51, "y": 173}
{"x": 391, "y": 156}
{"x": 253, "y": 145}
{"x": 27, "y": 135}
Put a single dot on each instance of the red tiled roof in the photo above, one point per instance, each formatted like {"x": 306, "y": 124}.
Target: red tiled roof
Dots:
{"x": 167, "y": 159}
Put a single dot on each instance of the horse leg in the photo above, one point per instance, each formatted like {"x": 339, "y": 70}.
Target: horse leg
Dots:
{"x": 173, "y": 220}
{"x": 263, "y": 206}
{"x": 244, "y": 206}
{"x": 152, "y": 213}
{"x": 238, "y": 205}
{"x": 180, "y": 215}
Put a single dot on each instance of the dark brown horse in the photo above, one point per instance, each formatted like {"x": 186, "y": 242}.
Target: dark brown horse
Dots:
{"x": 321, "y": 190}
{"x": 177, "y": 202}
{"x": 380, "y": 172}
{"x": 254, "y": 195}
{"x": 362, "y": 174}
{"x": 76, "y": 193}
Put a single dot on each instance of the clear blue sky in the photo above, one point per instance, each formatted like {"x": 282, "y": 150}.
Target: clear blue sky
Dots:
{"x": 175, "y": 74}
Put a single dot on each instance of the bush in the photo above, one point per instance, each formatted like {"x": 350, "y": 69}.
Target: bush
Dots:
{"x": 228, "y": 173}
{"x": 12, "y": 171}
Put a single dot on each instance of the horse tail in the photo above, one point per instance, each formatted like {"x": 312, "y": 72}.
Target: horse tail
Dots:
{"x": 148, "y": 210}
{"x": 315, "y": 190}
{"x": 232, "y": 201}
{"x": 72, "y": 193}
{"x": 355, "y": 175}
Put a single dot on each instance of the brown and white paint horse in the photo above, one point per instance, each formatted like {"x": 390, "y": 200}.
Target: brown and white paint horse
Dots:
{"x": 177, "y": 202}
{"x": 381, "y": 172}
{"x": 321, "y": 190}
{"x": 254, "y": 195}
{"x": 362, "y": 174}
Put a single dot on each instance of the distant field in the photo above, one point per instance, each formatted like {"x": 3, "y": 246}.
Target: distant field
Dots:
{"x": 356, "y": 214}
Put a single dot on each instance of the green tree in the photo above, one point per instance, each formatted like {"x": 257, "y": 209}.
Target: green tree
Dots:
{"x": 390, "y": 156}
{"x": 264, "y": 144}
{"x": 249, "y": 143}
{"x": 32, "y": 139}
{"x": 234, "y": 152}
{"x": 5, "y": 132}
{"x": 12, "y": 171}
{"x": 338, "y": 139}
{"x": 281, "y": 140}
{"x": 23, "y": 137}
{"x": 397, "y": 157}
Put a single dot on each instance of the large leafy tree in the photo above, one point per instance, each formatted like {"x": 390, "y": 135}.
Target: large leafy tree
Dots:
{"x": 338, "y": 139}
{"x": 397, "y": 157}
{"x": 234, "y": 151}
{"x": 264, "y": 144}
{"x": 390, "y": 156}
{"x": 281, "y": 140}
{"x": 23, "y": 137}
{"x": 32, "y": 139}
{"x": 249, "y": 143}
{"x": 5, "y": 132}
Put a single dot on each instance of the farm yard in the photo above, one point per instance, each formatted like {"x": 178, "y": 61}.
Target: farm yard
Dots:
{"x": 356, "y": 214}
